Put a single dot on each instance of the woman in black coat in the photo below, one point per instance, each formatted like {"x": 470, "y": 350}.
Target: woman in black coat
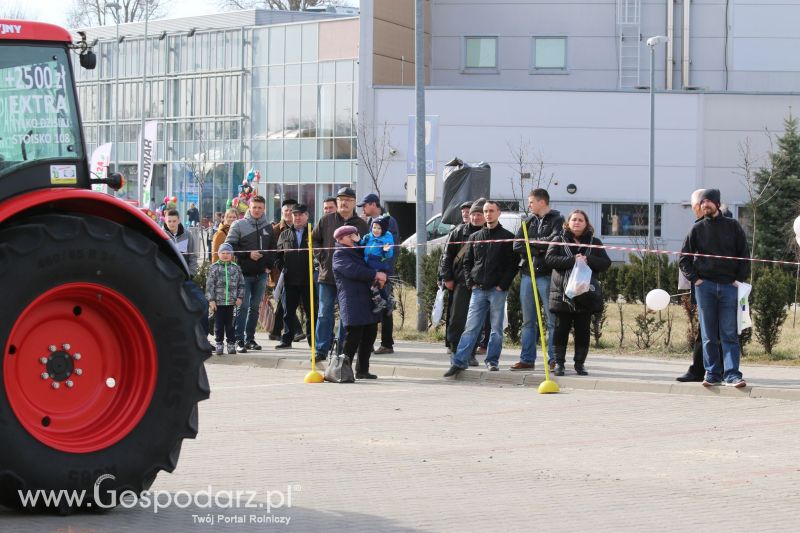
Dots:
{"x": 353, "y": 280}
{"x": 561, "y": 258}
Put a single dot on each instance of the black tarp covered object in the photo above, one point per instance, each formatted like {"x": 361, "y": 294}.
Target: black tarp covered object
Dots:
{"x": 463, "y": 183}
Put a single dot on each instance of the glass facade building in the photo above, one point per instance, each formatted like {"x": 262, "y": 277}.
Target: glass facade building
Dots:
{"x": 279, "y": 98}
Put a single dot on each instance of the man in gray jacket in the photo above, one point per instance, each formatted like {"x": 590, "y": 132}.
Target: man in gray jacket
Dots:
{"x": 251, "y": 238}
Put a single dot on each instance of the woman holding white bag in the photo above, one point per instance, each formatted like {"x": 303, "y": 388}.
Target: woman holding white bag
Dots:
{"x": 562, "y": 256}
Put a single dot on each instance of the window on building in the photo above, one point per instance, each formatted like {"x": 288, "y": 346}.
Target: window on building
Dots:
{"x": 627, "y": 220}
{"x": 549, "y": 53}
{"x": 481, "y": 53}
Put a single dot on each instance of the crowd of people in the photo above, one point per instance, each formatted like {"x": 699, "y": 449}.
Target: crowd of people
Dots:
{"x": 354, "y": 261}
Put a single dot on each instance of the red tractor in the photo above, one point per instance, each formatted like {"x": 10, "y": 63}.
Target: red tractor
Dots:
{"x": 100, "y": 325}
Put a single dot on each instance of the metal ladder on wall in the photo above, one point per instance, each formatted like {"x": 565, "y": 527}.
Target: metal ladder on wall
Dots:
{"x": 629, "y": 39}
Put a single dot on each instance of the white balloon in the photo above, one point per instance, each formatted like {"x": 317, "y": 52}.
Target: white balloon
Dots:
{"x": 797, "y": 226}
{"x": 657, "y": 299}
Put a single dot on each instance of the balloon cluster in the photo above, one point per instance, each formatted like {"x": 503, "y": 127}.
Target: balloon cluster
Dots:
{"x": 246, "y": 192}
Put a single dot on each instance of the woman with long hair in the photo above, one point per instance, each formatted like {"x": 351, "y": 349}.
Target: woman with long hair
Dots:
{"x": 231, "y": 216}
{"x": 562, "y": 255}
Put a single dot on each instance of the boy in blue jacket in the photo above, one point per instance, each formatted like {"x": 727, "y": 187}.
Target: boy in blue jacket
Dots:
{"x": 378, "y": 250}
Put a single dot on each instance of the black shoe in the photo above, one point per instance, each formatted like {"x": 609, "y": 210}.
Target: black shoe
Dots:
{"x": 453, "y": 371}
{"x": 366, "y": 375}
{"x": 689, "y": 378}
{"x": 492, "y": 367}
{"x": 274, "y": 337}
{"x": 559, "y": 369}
{"x": 253, "y": 345}
{"x": 580, "y": 370}
{"x": 552, "y": 364}
{"x": 240, "y": 347}
{"x": 283, "y": 346}
{"x": 473, "y": 361}
{"x": 299, "y": 337}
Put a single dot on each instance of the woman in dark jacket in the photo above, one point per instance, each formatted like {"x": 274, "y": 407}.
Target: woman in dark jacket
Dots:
{"x": 353, "y": 280}
{"x": 561, "y": 258}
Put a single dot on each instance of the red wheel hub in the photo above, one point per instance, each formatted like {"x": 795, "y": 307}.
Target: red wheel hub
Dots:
{"x": 80, "y": 367}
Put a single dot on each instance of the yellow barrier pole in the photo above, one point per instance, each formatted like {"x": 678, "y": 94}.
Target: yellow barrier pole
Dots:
{"x": 547, "y": 386}
{"x": 314, "y": 376}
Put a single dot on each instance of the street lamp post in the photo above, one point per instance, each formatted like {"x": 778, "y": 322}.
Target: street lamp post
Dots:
{"x": 651, "y": 209}
{"x": 116, "y": 7}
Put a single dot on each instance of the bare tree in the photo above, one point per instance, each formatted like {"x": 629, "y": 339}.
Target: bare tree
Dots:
{"x": 282, "y": 5}
{"x": 758, "y": 195}
{"x": 15, "y": 11}
{"x": 374, "y": 147}
{"x": 528, "y": 166}
{"x": 86, "y": 13}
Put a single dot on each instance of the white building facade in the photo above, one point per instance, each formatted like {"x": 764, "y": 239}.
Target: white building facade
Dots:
{"x": 567, "y": 78}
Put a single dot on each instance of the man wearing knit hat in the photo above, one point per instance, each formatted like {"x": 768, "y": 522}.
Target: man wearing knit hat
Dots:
{"x": 715, "y": 284}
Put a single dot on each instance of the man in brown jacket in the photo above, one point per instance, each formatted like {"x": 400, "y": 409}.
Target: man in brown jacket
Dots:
{"x": 323, "y": 242}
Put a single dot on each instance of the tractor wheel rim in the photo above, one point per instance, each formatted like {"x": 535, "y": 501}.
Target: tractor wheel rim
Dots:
{"x": 80, "y": 367}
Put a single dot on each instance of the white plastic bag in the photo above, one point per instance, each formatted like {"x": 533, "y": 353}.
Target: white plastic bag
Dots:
{"x": 505, "y": 316}
{"x": 278, "y": 291}
{"x": 580, "y": 280}
{"x": 438, "y": 307}
{"x": 743, "y": 307}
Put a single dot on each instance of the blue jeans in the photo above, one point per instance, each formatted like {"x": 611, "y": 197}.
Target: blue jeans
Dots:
{"x": 326, "y": 314}
{"x": 716, "y": 304}
{"x": 480, "y": 301}
{"x": 530, "y": 321}
{"x": 247, "y": 318}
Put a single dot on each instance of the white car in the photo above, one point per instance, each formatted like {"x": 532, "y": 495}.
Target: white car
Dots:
{"x": 437, "y": 230}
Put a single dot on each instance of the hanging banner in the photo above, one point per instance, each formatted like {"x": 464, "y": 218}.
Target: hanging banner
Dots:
{"x": 101, "y": 157}
{"x": 147, "y": 149}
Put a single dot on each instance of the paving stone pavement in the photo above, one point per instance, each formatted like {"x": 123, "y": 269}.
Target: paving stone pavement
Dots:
{"x": 405, "y": 454}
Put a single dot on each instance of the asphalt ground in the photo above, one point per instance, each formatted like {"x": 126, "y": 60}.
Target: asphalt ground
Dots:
{"x": 419, "y": 454}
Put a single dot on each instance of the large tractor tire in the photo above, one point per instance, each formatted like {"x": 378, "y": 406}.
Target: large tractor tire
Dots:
{"x": 102, "y": 364}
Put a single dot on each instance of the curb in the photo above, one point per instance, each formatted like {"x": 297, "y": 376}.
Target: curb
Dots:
{"x": 525, "y": 379}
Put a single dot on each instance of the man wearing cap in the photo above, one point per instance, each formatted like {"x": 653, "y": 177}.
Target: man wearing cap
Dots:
{"x": 489, "y": 269}
{"x": 251, "y": 238}
{"x": 354, "y": 277}
{"x": 715, "y": 284}
{"x": 324, "y": 242}
{"x": 292, "y": 259}
{"x": 371, "y": 206}
{"x": 451, "y": 272}
{"x": 277, "y": 228}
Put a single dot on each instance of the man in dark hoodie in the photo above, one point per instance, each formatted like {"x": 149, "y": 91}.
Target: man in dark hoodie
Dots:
{"x": 545, "y": 224}
{"x": 252, "y": 239}
{"x": 489, "y": 268}
{"x": 715, "y": 283}
{"x": 181, "y": 238}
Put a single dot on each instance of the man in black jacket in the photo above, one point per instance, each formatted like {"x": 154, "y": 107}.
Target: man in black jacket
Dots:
{"x": 715, "y": 282}
{"x": 323, "y": 241}
{"x": 545, "y": 224}
{"x": 251, "y": 238}
{"x": 292, "y": 259}
{"x": 489, "y": 269}
{"x": 451, "y": 271}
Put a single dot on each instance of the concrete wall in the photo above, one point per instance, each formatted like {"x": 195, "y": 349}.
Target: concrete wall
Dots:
{"x": 598, "y": 141}
{"x": 762, "y": 53}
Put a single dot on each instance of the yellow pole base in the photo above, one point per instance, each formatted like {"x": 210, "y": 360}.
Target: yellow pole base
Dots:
{"x": 548, "y": 386}
{"x": 314, "y": 377}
